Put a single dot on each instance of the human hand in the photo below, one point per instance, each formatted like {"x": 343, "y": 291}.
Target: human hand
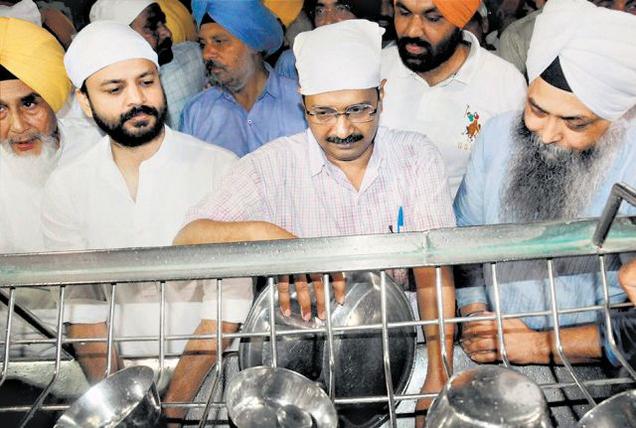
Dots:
{"x": 303, "y": 297}
{"x": 523, "y": 345}
{"x": 423, "y": 404}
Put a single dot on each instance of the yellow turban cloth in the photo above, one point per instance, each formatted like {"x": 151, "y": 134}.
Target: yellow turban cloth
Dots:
{"x": 34, "y": 56}
{"x": 285, "y": 10}
{"x": 179, "y": 21}
{"x": 457, "y": 12}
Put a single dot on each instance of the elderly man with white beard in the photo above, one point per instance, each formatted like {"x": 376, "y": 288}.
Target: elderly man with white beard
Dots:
{"x": 556, "y": 161}
{"x": 33, "y": 87}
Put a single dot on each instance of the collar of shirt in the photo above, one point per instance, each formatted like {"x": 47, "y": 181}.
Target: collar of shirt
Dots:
{"x": 466, "y": 71}
{"x": 272, "y": 86}
{"x": 318, "y": 161}
{"x": 164, "y": 154}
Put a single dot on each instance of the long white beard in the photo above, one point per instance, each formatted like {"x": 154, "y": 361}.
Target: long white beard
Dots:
{"x": 31, "y": 169}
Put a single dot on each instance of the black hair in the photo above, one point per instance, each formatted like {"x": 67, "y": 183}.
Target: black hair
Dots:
{"x": 362, "y": 9}
{"x": 207, "y": 19}
{"x": 6, "y": 74}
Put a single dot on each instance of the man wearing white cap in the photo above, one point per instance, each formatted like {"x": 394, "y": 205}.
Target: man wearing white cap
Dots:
{"x": 557, "y": 161}
{"x": 181, "y": 65}
{"x": 344, "y": 175}
{"x": 132, "y": 190}
{"x": 440, "y": 82}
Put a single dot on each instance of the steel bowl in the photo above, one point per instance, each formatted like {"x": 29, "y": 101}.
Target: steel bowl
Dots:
{"x": 125, "y": 399}
{"x": 618, "y": 411}
{"x": 359, "y": 369}
{"x": 275, "y": 397}
{"x": 489, "y": 397}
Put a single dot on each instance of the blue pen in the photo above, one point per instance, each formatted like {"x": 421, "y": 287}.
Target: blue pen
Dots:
{"x": 400, "y": 220}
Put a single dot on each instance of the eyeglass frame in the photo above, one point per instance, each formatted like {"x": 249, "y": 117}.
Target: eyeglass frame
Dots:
{"x": 344, "y": 113}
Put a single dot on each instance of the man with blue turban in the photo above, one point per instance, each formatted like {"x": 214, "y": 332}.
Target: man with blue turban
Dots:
{"x": 248, "y": 103}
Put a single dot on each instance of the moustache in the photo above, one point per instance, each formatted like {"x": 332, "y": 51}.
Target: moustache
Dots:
{"x": 353, "y": 138}
{"x": 136, "y": 111}
{"x": 29, "y": 137}
{"x": 414, "y": 41}
{"x": 210, "y": 64}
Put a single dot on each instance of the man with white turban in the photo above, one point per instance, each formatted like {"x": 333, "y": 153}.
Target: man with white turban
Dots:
{"x": 343, "y": 175}
{"x": 248, "y": 104}
{"x": 181, "y": 67}
{"x": 33, "y": 88}
{"x": 132, "y": 189}
{"x": 440, "y": 82}
{"x": 557, "y": 160}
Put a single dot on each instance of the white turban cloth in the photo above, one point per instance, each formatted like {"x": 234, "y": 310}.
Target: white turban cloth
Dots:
{"x": 101, "y": 44}
{"x": 345, "y": 55}
{"x": 26, "y": 10}
{"x": 597, "y": 52}
{"x": 124, "y": 11}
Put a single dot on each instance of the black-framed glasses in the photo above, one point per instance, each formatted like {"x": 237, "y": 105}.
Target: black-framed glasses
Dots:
{"x": 356, "y": 113}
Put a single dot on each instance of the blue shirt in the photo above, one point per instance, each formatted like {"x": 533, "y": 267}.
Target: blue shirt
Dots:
{"x": 524, "y": 286}
{"x": 216, "y": 117}
{"x": 286, "y": 65}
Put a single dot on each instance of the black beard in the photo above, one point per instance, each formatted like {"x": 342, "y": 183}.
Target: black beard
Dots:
{"x": 432, "y": 57}
{"x": 544, "y": 179}
{"x": 164, "y": 52}
{"x": 120, "y": 135}
{"x": 353, "y": 138}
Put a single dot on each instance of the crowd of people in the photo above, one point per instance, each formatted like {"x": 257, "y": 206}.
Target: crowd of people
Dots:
{"x": 295, "y": 119}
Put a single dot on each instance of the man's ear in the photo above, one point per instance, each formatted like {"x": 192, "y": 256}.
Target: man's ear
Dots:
{"x": 84, "y": 103}
{"x": 381, "y": 89}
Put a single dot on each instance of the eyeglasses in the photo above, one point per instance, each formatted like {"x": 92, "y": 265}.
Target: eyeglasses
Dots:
{"x": 357, "y": 113}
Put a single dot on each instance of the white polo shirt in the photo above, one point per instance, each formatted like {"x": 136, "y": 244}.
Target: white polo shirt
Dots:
{"x": 87, "y": 205}
{"x": 453, "y": 112}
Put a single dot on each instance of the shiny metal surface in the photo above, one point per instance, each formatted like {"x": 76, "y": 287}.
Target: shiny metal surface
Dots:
{"x": 616, "y": 412}
{"x": 358, "y": 359}
{"x": 125, "y": 399}
{"x": 489, "y": 397}
{"x": 277, "y": 397}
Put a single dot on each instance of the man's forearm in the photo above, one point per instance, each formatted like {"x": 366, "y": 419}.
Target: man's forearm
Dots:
{"x": 195, "y": 362}
{"x": 92, "y": 355}
{"x": 427, "y": 304}
{"x": 210, "y": 231}
{"x": 580, "y": 344}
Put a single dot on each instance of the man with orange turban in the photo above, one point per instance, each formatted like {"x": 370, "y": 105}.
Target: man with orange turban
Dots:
{"x": 441, "y": 83}
{"x": 33, "y": 88}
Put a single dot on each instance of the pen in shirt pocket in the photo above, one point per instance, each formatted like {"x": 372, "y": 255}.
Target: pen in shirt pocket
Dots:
{"x": 399, "y": 224}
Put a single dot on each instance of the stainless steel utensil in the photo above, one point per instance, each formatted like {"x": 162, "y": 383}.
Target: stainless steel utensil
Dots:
{"x": 358, "y": 369}
{"x": 275, "y": 397}
{"x": 489, "y": 397}
{"x": 125, "y": 399}
{"x": 618, "y": 411}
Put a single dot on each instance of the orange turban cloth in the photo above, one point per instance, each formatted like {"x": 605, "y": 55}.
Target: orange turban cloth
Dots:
{"x": 457, "y": 12}
{"x": 285, "y": 10}
{"x": 34, "y": 56}
{"x": 179, "y": 21}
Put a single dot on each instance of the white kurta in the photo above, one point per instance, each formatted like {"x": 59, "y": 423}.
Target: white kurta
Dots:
{"x": 453, "y": 112}
{"x": 87, "y": 206}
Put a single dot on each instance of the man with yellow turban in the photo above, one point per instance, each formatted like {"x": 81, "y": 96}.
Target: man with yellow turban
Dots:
{"x": 441, "y": 83}
{"x": 33, "y": 88}
{"x": 181, "y": 66}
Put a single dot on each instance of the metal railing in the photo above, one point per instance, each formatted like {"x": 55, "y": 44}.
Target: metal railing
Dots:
{"x": 436, "y": 248}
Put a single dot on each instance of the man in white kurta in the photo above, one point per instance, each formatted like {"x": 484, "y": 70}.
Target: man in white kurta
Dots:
{"x": 449, "y": 94}
{"x": 132, "y": 190}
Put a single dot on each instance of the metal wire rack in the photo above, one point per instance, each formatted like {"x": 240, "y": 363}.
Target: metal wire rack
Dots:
{"x": 437, "y": 248}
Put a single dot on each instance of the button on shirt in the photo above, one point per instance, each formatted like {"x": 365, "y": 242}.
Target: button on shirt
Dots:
{"x": 87, "y": 205}
{"x": 524, "y": 285}
{"x": 452, "y": 112}
{"x": 215, "y": 116}
{"x": 182, "y": 78}
{"x": 290, "y": 182}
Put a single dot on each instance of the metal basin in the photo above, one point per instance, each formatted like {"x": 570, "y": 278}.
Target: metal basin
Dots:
{"x": 616, "y": 412}
{"x": 274, "y": 397}
{"x": 125, "y": 399}
{"x": 358, "y": 369}
{"x": 489, "y": 397}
